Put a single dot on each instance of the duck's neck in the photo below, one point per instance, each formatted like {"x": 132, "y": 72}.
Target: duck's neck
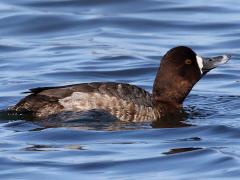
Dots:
{"x": 169, "y": 90}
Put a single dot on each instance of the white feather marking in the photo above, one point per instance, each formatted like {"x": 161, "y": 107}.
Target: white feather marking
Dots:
{"x": 200, "y": 63}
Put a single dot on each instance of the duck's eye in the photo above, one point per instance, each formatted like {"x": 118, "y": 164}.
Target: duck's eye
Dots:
{"x": 188, "y": 61}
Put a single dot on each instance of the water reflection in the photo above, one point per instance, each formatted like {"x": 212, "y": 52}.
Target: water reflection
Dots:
{"x": 50, "y": 43}
{"x": 181, "y": 150}
{"x": 97, "y": 120}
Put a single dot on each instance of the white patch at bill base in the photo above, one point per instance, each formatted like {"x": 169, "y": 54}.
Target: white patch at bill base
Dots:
{"x": 200, "y": 63}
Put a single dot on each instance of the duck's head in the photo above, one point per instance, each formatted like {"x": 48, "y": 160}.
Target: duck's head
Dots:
{"x": 180, "y": 69}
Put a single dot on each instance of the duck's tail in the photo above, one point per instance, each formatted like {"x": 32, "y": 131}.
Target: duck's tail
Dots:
{"x": 12, "y": 114}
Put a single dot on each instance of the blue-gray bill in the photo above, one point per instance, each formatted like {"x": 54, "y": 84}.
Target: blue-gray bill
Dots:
{"x": 211, "y": 63}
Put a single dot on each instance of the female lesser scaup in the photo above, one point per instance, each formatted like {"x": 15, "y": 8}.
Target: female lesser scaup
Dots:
{"x": 180, "y": 69}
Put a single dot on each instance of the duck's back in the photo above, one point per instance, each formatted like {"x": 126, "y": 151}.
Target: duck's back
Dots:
{"x": 126, "y": 102}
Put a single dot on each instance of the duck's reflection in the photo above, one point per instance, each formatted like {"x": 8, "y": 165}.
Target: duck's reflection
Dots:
{"x": 100, "y": 120}
{"x": 173, "y": 120}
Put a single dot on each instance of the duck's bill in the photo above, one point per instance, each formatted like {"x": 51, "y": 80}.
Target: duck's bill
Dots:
{"x": 206, "y": 64}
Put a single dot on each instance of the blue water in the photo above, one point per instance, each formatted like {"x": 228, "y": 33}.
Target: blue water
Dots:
{"x": 49, "y": 43}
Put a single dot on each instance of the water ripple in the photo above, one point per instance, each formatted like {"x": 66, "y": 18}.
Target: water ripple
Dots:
{"x": 47, "y": 43}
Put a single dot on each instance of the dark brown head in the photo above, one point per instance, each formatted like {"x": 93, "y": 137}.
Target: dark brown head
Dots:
{"x": 180, "y": 69}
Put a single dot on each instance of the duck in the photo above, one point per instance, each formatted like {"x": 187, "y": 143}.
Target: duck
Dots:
{"x": 180, "y": 69}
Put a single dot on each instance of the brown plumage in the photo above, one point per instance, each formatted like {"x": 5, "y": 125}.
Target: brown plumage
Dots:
{"x": 179, "y": 71}
{"x": 126, "y": 102}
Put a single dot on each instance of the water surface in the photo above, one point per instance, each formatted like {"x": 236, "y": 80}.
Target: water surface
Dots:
{"x": 48, "y": 43}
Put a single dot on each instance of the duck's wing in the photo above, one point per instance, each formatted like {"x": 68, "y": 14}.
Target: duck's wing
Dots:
{"x": 121, "y": 100}
{"x": 122, "y": 91}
